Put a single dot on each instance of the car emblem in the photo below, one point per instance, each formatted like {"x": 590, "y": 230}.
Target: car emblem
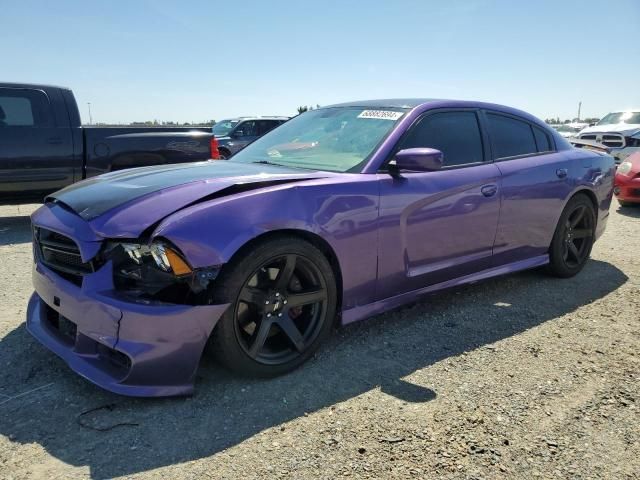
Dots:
{"x": 599, "y": 138}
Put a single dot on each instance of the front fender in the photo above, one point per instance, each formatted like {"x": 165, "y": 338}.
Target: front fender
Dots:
{"x": 343, "y": 214}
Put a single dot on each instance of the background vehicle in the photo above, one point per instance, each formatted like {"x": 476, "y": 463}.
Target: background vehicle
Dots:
{"x": 627, "y": 181}
{"x": 569, "y": 129}
{"x": 43, "y": 147}
{"x": 618, "y": 130}
{"x": 351, "y": 210}
{"x": 236, "y": 133}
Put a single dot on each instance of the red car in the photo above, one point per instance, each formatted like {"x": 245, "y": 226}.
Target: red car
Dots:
{"x": 627, "y": 182}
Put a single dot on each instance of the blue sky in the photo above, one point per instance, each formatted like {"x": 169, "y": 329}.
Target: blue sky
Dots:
{"x": 197, "y": 60}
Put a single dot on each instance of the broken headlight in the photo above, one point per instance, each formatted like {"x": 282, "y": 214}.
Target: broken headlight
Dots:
{"x": 154, "y": 272}
{"x": 158, "y": 272}
{"x": 164, "y": 257}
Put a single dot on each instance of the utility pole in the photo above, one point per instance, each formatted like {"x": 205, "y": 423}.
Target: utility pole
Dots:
{"x": 579, "y": 108}
{"x": 90, "y": 119}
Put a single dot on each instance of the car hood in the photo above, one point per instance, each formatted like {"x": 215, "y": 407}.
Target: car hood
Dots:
{"x": 125, "y": 203}
{"x": 625, "y": 129}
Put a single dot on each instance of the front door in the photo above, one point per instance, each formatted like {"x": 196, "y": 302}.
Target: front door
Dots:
{"x": 245, "y": 133}
{"x": 440, "y": 225}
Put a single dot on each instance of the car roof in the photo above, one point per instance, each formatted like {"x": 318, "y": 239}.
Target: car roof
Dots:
{"x": 411, "y": 103}
{"x": 237, "y": 119}
{"x": 36, "y": 86}
{"x": 387, "y": 103}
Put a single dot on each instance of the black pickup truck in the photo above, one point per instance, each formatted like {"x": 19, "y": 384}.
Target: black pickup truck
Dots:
{"x": 43, "y": 147}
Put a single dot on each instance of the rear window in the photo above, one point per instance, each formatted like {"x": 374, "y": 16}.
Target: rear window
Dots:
{"x": 24, "y": 108}
{"x": 510, "y": 137}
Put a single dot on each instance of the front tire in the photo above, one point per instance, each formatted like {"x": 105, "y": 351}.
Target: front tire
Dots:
{"x": 573, "y": 239}
{"x": 282, "y": 298}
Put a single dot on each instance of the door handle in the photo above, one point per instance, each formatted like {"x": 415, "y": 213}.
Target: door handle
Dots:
{"x": 561, "y": 172}
{"x": 489, "y": 190}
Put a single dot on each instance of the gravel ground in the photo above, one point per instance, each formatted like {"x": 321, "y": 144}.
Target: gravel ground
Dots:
{"x": 519, "y": 377}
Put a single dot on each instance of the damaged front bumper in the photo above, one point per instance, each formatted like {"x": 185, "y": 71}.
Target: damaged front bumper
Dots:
{"x": 136, "y": 348}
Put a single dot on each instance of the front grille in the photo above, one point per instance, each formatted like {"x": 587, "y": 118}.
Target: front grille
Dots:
{"x": 61, "y": 254}
{"x": 614, "y": 140}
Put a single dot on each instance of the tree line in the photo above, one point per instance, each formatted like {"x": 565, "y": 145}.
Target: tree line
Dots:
{"x": 557, "y": 121}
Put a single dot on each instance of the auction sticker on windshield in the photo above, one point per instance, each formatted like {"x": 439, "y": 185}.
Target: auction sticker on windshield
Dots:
{"x": 381, "y": 114}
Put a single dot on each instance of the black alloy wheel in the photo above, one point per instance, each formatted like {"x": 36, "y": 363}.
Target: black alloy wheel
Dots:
{"x": 578, "y": 236}
{"x": 282, "y": 297}
{"x": 573, "y": 238}
{"x": 280, "y": 309}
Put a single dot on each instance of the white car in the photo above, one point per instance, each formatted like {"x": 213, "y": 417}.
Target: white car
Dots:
{"x": 620, "y": 131}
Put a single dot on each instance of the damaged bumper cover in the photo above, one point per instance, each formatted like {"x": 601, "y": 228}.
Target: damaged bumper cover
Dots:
{"x": 136, "y": 348}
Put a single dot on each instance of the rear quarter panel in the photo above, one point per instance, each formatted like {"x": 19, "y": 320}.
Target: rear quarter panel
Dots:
{"x": 533, "y": 198}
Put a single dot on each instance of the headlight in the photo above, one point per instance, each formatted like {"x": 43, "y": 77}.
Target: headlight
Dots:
{"x": 154, "y": 272}
{"x": 158, "y": 272}
{"x": 624, "y": 168}
{"x": 164, "y": 257}
{"x": 633, "y": 140}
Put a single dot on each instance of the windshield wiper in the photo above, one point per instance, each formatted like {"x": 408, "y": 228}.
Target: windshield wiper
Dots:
{"x": 267, "y": 162}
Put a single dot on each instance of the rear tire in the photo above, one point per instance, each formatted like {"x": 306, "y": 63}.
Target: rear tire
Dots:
{"x": 573, "y": 239}
{"x": 282, "y": 297}
{"x": 224, "y": 154}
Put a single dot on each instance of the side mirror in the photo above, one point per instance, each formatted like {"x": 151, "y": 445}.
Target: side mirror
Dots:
{"x": 238, "y": 133}
{"x": 419, "y": 159}
{"x": 592, "y": 124}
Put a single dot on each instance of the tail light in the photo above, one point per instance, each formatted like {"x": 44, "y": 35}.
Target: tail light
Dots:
{"x": 213, "y": 147}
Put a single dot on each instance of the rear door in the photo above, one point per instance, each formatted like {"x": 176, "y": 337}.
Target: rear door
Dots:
{"x": 36, "y": 149}
{"x": 441, "y": 225}
{"x": 536, "y": 181}
{"x": 265, "y": 126}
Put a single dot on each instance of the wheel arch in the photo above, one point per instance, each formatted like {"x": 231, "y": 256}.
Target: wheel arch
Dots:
{"x": 591, "y": 196}
{"x": 581, "y": 191}
{"x": 310, "y": 237}
{"x": 222, "y": 149}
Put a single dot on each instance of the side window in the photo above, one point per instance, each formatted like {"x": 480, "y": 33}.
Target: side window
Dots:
{"x": 265, "y": 126}
{"x": 248, "y": 128}
{"x": 24, "y": 108}
{"x": 510, "y": 137}
{"x": 542, "y": 140}
{"x": 455, "y": 134}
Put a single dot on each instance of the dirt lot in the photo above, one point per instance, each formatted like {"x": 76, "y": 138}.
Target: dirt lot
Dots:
{"x": 520, "y": 377}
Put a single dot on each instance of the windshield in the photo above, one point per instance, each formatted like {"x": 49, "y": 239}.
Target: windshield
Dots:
{"x": 223, "y": 127}
{"x": 337, "y": 139}
{"x": 620, "y": 117}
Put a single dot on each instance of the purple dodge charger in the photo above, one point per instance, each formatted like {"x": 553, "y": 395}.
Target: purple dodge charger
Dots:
{"x": 341, "y": 213}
